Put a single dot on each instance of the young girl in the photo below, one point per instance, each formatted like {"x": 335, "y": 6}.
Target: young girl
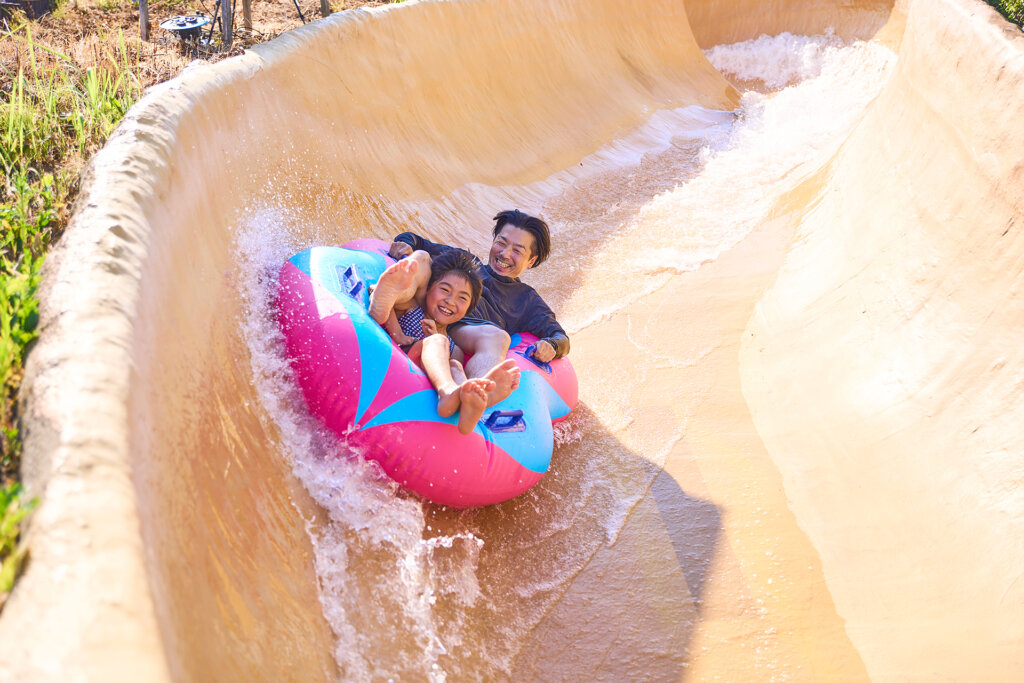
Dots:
{"x": 415, "y": 300}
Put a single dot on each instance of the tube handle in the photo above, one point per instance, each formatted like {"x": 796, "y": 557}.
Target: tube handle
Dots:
{"x": 528, "y": 355}
{"x": 506, "y": 421}
{"x": 350, "y": 282}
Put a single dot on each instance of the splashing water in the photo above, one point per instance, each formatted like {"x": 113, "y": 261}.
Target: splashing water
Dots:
{"x": 413, "y": 592}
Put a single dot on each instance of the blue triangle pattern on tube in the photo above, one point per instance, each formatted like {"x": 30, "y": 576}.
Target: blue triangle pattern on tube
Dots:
{"x": 325, "y": 266}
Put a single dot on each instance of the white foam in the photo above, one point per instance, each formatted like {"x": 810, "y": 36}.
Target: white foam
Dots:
{"x": 777, "y": 61}
{"x": 366, "y": 517}
{"x": 775, "y": 142}
{"x": 666, "y": 199}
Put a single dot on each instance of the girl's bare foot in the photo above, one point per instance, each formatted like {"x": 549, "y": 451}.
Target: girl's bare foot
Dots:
{"x": 473, "y": 395}
{"x": 505, "y": 376}
{"x": 448, "y": 400}
{"x": 394, "y": 283}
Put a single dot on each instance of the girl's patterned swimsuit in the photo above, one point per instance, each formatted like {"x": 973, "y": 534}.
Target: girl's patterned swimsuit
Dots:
{"x": 411, "y": 323}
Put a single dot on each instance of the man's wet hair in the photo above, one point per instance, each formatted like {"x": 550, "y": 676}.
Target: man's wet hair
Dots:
{"x": 532, "y": 225}
{"x": 460, "y": 262}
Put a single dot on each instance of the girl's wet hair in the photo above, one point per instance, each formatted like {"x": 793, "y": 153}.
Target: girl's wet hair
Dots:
{"x": 532, "y": 225}
{"x": 460, "y": 262}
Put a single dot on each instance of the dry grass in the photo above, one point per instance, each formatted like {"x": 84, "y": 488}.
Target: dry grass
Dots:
{"x": 83, "y": 34}
{"x": 66, "y": 80}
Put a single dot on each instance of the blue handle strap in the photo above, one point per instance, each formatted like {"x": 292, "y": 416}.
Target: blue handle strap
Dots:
{"x": 528, "y": 355}
{"x": 350, "y": 282}
{"x": 501, "y": 421}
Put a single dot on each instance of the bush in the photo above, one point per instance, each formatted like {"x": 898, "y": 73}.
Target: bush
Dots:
{"x": 53, "y": 115}
{"x": 1011, "y": 9}
{"x": 12, "y": 554}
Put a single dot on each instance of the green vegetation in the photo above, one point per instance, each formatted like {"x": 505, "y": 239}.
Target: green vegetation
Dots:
{"x": 1011, "y": 9}
{"x": 65, "y": 83}
{"x": 11, "y": 555}
{"x": 53, "y": 116}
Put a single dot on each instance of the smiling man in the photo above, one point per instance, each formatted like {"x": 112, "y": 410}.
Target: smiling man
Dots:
{"x": 507, "y": 306}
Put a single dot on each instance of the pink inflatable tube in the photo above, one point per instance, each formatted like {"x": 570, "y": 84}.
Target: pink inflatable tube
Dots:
{"x": 366, "y": 390}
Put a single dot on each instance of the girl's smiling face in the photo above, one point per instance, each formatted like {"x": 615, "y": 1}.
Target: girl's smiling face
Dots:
{"x": 448, "y": 299}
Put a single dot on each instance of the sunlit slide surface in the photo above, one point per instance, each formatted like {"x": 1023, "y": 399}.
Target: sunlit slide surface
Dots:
{"x": 787, "y": 248}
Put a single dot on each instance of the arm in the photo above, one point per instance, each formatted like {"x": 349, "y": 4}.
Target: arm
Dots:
{"x": 418, "y": 243}
{"x": 394, "y": 330}
{"x": 541, "y": 321}
{"x": 549, "y": 348}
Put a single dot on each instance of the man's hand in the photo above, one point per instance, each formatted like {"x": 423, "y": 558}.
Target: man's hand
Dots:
{"x": 429, "y": 327}
{"x": 544, "y": 351}
{"x": 399, "y": 250}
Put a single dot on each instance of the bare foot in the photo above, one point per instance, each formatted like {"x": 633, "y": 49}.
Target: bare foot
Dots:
{"x": 448, "y": 400}
{"x": 505, "y": 376}
{"x": 473, "y": 394}
{"x": 394, "y": 283}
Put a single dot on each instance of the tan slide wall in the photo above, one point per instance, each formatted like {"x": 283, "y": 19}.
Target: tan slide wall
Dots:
{"x": 138, "y": 388}
{"x": 883, "y": 368}
{"x": 141, "y": 413}
{"x": 716, "y": 22}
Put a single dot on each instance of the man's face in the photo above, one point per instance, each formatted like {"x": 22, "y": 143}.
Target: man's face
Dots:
{"x": 512, "y": 252}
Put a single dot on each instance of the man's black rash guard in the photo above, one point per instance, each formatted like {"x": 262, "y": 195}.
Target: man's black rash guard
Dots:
{"x": 512, "y": 305}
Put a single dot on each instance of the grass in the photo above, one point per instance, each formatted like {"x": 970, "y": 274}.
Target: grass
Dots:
{"x": 1011, "y": 9}
{"x": 66, "y": 81}
{"x": 12, "y": 554}
{"x": 53, "y": 115}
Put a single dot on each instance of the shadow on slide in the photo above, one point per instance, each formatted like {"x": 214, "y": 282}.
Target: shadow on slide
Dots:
{"x": 599, "y": 572}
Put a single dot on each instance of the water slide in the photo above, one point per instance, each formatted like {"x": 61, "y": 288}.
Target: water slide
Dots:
{"x": 788, "y": 248}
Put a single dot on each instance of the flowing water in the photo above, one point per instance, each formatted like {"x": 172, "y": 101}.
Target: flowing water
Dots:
{"x": 794, "y": 298}
{"x": 413, "y": 591}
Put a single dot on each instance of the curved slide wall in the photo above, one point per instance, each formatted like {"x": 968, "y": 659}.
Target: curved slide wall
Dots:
{"x": 834, "y": 494}
{"x": 882, "y": 370}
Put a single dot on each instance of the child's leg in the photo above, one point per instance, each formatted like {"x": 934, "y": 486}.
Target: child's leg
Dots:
{"x": 415, "y": 354}
{"x": 473, "y": 396}
{"x": 394, "y": 330}
{"x": 454, "y": 391}
{"x": 473, "y": 402}
{"x": 489, "y": 344}
{"x": 398, "y": 285}
{"x": 458, "y": 372}
{"x": 435, "y": 362}
{"x": 422, "y": 277}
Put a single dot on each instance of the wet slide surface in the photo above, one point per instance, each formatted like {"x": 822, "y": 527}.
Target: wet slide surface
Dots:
{"x": 786, "y": 250}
